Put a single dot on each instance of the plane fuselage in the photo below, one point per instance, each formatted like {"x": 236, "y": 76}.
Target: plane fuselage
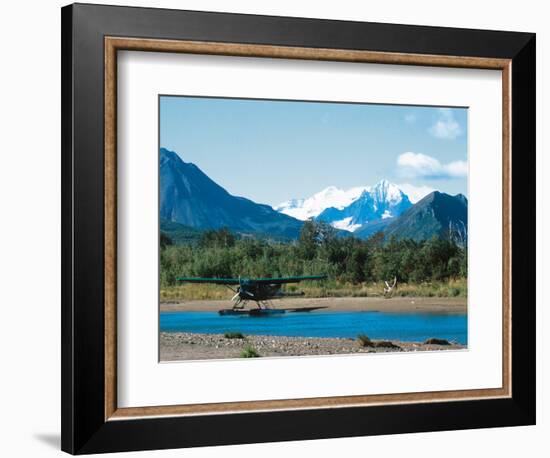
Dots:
{"x": 252, "y": 291}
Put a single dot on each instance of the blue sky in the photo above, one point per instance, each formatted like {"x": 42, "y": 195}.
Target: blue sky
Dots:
{"x": 270, "y": 151}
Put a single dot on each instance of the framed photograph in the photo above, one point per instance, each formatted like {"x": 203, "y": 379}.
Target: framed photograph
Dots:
{"x": 282, "y": 228}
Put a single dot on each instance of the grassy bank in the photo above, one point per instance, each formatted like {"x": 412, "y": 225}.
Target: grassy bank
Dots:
{"x": 449, "y": 288}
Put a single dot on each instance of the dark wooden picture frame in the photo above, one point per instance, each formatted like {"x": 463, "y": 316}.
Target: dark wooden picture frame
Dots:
{"x": 91, "y": 37}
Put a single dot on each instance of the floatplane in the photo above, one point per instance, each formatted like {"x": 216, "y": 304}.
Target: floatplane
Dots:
{"x": 259, "y": 290}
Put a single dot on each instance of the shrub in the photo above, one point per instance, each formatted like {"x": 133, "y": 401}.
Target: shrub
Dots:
{"x": 249, "y": 352}
{"x": 233, "y": 335}
{"x": 436, "y": 341}
{"x": 454, "y": 292}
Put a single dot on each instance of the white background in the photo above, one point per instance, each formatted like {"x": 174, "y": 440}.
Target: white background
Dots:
{"x": 142, "y": 381}
{"x": 30, "y": 230}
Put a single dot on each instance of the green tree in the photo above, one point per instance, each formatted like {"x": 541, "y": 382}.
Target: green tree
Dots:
{"x": 165, "y": 240}
{"x": 307, "y": 243}
{"x": 220, "y": 238}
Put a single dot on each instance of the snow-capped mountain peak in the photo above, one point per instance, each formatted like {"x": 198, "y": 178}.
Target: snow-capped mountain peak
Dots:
{"x": 350, "y": 209}
{"x": 311, "y": 207}
{"x": 384, "y": 191}
{"x": 381, "y": 202}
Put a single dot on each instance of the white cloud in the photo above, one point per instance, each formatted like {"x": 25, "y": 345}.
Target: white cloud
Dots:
{"x": 446, "y": 126}
{"x": 415, "y": 193}
{"x": 457, "y": 168}
{"x": 418, "y": 165}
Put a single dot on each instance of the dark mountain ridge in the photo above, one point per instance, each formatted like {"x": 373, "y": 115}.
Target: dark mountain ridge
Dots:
{"x": 438, "y": 214}
{"x": 189, "y": 197}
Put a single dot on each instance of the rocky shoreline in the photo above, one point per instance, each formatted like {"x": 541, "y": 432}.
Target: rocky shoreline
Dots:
{"x": 179, "y": 346}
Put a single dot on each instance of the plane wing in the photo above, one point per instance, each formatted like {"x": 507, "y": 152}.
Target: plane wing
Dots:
{"x": 215, "y": 281}
{"x": 281, "y": 280}
{"x": 237, "y": 281}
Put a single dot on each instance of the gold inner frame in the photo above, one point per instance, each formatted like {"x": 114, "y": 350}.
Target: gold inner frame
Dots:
{"x": 114, "y": 44}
